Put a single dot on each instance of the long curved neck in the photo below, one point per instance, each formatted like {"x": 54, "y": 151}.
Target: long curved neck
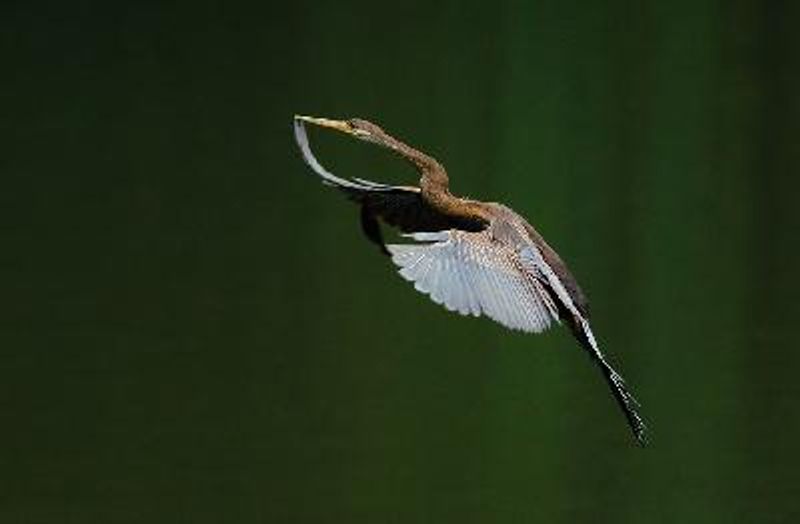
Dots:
{"x": 434, "y": 184}
{"x": 433, "y": 178}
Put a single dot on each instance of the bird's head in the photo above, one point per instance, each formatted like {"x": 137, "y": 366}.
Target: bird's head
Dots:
{"x": 356, "y": 127}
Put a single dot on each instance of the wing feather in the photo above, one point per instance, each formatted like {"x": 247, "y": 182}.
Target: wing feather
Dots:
{"x": 471, "y": 273}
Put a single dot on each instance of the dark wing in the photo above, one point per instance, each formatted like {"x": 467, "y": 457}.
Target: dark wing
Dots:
{"x": 399, "y": 206}
{"x": 503, "y": 275}
{"x": 558, "y": 266}
{"x": 563, "y": 292}
{"x": 625, "y": 400}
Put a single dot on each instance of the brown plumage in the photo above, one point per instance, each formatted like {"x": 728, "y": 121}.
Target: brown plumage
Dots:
{"x": 472, "y": 257}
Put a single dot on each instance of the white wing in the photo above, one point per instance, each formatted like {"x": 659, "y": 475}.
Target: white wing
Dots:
{"x": 473, "y": 274}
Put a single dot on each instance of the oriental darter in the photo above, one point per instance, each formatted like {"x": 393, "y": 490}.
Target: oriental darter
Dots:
{"x": 475, "y": 258}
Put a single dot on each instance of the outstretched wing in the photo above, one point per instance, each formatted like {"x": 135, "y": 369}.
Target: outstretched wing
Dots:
{"x": 500, "y": 270}
{"x": 400, "y": 206}
{"x": 512, "y": 283}
{"x": 474, "y": 274}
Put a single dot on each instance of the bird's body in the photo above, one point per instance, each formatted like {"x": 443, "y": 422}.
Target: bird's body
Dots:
{"x": 474, "y": 258}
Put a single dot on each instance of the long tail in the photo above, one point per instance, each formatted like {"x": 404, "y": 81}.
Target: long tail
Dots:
{"x": 624, "y": 399}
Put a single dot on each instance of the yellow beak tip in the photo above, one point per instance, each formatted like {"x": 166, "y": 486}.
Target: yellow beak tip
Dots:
{"x": 338, "y": 125}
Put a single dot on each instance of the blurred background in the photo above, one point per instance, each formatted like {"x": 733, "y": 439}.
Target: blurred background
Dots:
{"x": 194, "y": 329}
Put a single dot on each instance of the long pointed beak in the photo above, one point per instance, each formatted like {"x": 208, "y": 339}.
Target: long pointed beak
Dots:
{"x": 338, "y": 125}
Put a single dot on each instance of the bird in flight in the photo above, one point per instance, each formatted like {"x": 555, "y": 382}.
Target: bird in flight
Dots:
{"x": 475, "y": 258}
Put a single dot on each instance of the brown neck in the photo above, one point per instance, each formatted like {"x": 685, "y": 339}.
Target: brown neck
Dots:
{"x": 434, "y": 184}
{"x": 433, "y": 178}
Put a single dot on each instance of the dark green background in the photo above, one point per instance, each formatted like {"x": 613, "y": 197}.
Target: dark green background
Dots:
{"x": 194, "y": 330}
